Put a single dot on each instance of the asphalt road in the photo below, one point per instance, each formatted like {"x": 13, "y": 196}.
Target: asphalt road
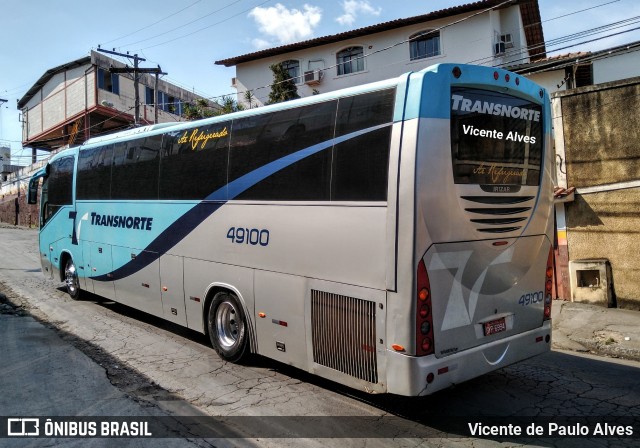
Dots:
{"x": 139, "y": 360}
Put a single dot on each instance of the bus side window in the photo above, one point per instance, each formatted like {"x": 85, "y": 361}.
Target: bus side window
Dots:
{"x": 259, "y": 141}
{"x": 57, "y": 189}
{"x": 205, "y": 162}
{"x": 360, "y": 164}
{"x": 134, "y": 173}
{"x": 94, "y": 173}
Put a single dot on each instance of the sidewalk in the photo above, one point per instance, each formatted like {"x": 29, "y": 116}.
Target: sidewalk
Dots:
{"x": 602, "y": 331}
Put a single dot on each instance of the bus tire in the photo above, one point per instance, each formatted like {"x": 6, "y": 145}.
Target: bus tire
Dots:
{"x": 227, "y": 327}
{"x": 71, "y": 279}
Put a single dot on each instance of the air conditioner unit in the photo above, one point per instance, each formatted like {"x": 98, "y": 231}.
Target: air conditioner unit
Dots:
{"x": 233, "y": 82}
{"x": 312, "y": 77}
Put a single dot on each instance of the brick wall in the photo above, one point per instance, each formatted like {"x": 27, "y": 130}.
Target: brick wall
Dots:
{"x": 27, "y": 216}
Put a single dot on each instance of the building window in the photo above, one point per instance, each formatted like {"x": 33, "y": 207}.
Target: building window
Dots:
{"x": 425, "y": 44}
{"x": 108, "y": 81}
{"x": 292, "y": 67}
{"x": 169, "y": 103}
{"x": 350, "y": 60}
{"x": 149, "y": 96}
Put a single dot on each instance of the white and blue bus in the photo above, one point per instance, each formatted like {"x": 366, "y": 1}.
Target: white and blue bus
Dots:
{"x": 394, "y": 237}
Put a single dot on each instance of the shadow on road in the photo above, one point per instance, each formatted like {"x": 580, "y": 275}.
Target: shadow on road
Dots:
{"x": 557, "y": 388}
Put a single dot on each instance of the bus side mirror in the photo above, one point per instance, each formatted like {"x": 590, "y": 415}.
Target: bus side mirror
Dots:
{"x": 32, "y": 197}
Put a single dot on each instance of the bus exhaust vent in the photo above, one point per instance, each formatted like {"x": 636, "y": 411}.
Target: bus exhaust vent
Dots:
{"x": 344, "y": 334}
{"x": 499, "y": 214}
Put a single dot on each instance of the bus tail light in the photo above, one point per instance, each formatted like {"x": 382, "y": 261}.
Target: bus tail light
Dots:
{"x": 548, "y": 286}
{"x": 424, "y": 316}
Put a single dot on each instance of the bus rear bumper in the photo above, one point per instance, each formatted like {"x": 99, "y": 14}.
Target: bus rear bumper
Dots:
{"x": 408, "y": 375}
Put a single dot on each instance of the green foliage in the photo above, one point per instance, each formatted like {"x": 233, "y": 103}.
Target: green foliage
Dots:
{"x": 283, "y": 87}
{"x": 249, "y": 98}
{"x": 228, "y": 105}
{"x": 199, "y": 109}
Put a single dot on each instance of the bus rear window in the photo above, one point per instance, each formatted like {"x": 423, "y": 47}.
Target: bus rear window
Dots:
{"x": 496, "y": 139}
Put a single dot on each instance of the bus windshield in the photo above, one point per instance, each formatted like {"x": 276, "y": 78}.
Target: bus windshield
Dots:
{"x": 496, "y": 139}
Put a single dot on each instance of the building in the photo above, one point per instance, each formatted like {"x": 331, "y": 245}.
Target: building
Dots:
{"x": 505, "y": 34}
{"x": 5, "y": 162}
{"x": 573, "y": 70}
{"x": 596, "y": 120}
{"x": 87, "y": 97}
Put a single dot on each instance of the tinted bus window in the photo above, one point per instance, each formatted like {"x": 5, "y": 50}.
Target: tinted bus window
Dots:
{"x": 496, "y": 139}
{"x": 135, "y": 169}
{"x": 94, "y": 173}
{"x": 360, "y": 164}
{"x": 57, "y": 188}
{"x": 194, "y": 161}
{"x": 61, "y": 181}
{"x": 257, "y": 141}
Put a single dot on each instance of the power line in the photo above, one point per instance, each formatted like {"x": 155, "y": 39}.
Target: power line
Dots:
{"x": 207, "y": 27}
{"x": 437, "y": 30}
{"x": 154, "y": 23}
{"x": 407, "y": 40}
{"x": 185, "y": 25}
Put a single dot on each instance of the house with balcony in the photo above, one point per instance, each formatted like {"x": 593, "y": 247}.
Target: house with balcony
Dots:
{"x": 487, "y": 32}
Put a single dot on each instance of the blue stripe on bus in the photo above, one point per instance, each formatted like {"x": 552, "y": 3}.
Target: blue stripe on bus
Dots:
{"x": 186, "y": 223}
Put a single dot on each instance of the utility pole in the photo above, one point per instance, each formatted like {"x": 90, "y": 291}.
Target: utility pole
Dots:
{"x": 136, "y": 70}
{"x": 2, "y": 101}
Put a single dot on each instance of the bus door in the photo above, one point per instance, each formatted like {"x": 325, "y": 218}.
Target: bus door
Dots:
{"x": 172, "y": 289}
{"x": 142, "y": 289}
{"x": 100, "y": 264}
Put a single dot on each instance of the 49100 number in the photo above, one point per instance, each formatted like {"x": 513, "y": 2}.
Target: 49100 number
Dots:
{"x": 254, "y": 237}
{"x": 531, "y": 298}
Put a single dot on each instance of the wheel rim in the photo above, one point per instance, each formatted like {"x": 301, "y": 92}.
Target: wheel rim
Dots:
{"x": 228, "y": 325}
{"x": 70, "y": 278}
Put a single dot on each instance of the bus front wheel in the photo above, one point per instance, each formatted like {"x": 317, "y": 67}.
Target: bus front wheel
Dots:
{"x": 226, "y": 324}
{"x": 71, "y": 279}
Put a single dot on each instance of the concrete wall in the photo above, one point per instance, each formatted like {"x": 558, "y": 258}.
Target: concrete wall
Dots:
{"x": 62, "y": 97}
{"x": 550, "y": 80}
{"x": 616, "y": 67}
{"x": 601, "y": 131}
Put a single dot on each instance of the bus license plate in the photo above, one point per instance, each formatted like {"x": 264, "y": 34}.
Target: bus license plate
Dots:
{"x": 495, "y": 326}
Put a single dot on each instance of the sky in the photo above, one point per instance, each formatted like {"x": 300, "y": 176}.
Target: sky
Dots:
{"x": 186, "y": 37}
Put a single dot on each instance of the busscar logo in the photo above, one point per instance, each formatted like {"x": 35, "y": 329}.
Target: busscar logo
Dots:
{"x": 24, "y": 427}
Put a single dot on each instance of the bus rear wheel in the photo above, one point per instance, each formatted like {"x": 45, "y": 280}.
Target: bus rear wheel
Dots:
{"x": 227, "y": 327}
{"x": 71, "y": 279}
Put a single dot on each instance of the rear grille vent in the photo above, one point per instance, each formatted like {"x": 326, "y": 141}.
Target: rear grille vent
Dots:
{"x": 344, "y": 334}
{"x": 499, "y": 206}
{"x": 498, "y": 211}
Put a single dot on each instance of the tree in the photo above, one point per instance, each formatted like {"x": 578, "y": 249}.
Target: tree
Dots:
{"x": 200, "y": 109}
{"x": 249, "y": 98}
{"x": 283, "y": 87}
{"x": 227, "y": 105}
